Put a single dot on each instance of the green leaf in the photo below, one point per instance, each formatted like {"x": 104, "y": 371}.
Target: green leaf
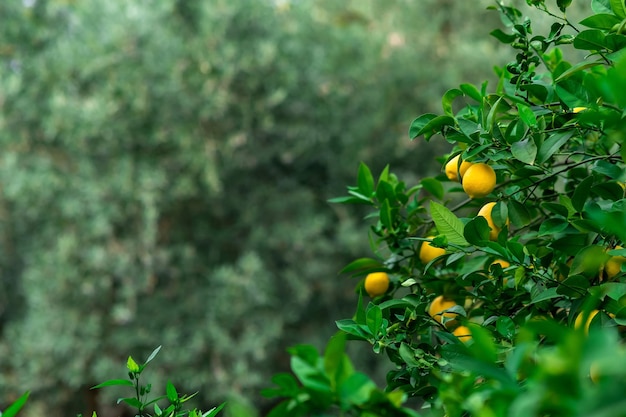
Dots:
{"x": 433, "y": 126}
{"x": 386, "y": 217}
{"x": 349, "y": 200}
{"x": 545, "y": 295}
{"x": 448, "y": 98}
{"x": 619, "y": 8}
{"x": 114, "y": 382}
{"x": 354, "y": 330}
{"x": 525, "y": 151}
{"x": 552, "y": 226}
{"x": 483, "y": 347}
{"x": 214, "y": 411}
{"x": 601, "y": 21}
{"x": 365, "y": 181}
{"x": 590, "y": 40}
{"x": 363, "y": 264}
{"x": 506, "y": 327}
{"x": 385, "y": 191}
{"x": 581, "y": 193}
{"x": 334, "y": 357}
{"x": 133, "y": 402}
{"x": 419, "y": 123}
{"x": 408, "y": 355}
{"x": 310, "y": 376}
{"x": 374, "y": 318}
{"x": 447, "y": 224}
{"x": 476, "y": 231}
{"x": 518, "y": 213}
{"x": 152, "y": 355}
{"x": 502, "y": 36}
{"x": 131, "y": 365}
{"x": 13, "y": 409}
{"x": 581, "y": 66}
{"x": 526, "y": 115}
{"x": 355, "y": 391}
{"x": 433, "y": 186}
{"x": 552, "y": 145}
{"x": 170, "y": 391}
{"x": 471, "y": 91}
{"x": 601, "y": 6}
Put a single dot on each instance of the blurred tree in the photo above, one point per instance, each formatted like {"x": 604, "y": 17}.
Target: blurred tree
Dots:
{"x": 165, "y": 168}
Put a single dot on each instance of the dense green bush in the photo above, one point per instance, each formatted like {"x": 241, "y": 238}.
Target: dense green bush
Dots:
{"x": 511, "y": 300}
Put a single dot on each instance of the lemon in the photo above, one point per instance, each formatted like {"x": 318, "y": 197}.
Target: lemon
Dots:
{"x": 485, "y": 211}
{"x": 463, "y": 333}
{"x": 376, "y": 283}
{"x": 429, "y": 252}
{"x": 438, "y": 306}
{"x": 479, "y": 180}
{"x": 453, "y": 169}
{"x": 613, "y": 266}
{"x": 578, "y": 323}
{"x": 502, "y": 263}
{"x": 578, "y": 109}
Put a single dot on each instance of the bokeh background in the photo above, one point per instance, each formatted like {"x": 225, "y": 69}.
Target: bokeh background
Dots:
{"x": 165, "y": 167}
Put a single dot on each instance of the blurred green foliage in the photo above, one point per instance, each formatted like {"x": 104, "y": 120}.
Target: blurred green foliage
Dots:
{"x": 164, "y": 171}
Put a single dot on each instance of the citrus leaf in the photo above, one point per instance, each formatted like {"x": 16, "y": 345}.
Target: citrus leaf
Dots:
{"x": 552, "y": 145}
{"x": 527, "y": 115}
{"x": 433, "y": 186}
{"x": 418, "y": 124}
{"x": 525, "y": 151}
{"x": 362, "y": 264}
{"x": 448, "y": 98}
{"x": 619, "y": 8}
{"x": 365, "y": 180}
{"x": 471, "y": 91}
{"x": 448, "y": 224}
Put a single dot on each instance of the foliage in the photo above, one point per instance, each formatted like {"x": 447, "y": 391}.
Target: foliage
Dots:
{"x": 140, "y": 400}
{"x": 320, "y": 383}
{"x": 553, "y": 132}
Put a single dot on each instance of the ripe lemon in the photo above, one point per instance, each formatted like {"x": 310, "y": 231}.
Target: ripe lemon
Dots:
{"x": 429, "y": 252}
{"x": 614, "y": 265}
{"x": 479, "y": 180}
{"x": 502, "y": 263}
{"x": 485, "y": 211}
{"x": 438, "y": 306}
{"x": 453, "y": 169}
{"x": 579, "y": 320}
{"x": 376, "y": 283}
{"x": 463, "y": 333}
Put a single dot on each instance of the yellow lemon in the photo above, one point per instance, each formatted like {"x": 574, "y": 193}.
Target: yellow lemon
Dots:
{"x": 578, "y": 109}
{"x": 376, "y": 283}
{"x": 438, "y": 306}
{"x": 429, "y": 252}
{"x": 463, "y": 333}
{"x": 594, "y": 372}
{"x": 578, "y": 323}
{"x": 453, "y": 169}
{"x": 485, "y": 211}
{"x": 614, "y": 265}
{"x": 479, "y": 180}
{"x": 502, "y": 263}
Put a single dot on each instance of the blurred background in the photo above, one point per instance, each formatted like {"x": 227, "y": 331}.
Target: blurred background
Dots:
{"x": 165, "y": 167}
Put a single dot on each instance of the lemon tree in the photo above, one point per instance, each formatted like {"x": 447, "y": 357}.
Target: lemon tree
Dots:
{"x": 507, "y": 278}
